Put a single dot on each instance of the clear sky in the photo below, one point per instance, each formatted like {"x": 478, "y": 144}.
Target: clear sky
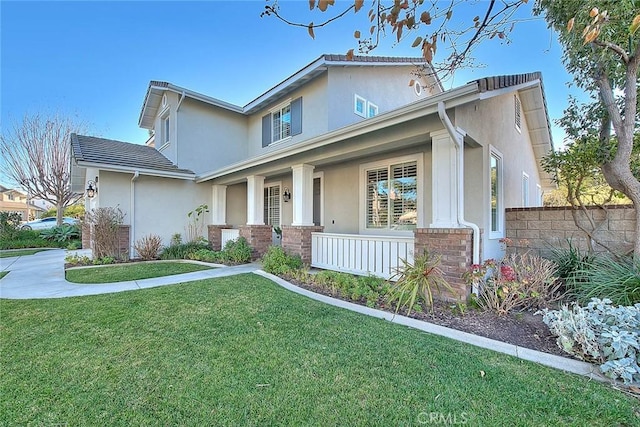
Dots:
{"x": 95, "y": 59}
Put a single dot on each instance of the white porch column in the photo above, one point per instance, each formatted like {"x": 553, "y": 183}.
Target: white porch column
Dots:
{"x": 302, "y": 195}
{"x": 444, "y": 181}
{"x": 218, "y": 204}
{"x": 255, "y": 200}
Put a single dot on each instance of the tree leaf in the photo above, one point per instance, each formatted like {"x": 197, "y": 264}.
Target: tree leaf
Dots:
{"x": 310, "y": 28}
{"x": 399, "y": 32}
{"x": 416, "y": 42}
{"x": 372, "y": 29}
{"x": 412, "y": 82}
{"x": 358, "y": 5}
{"x": 322, "y": 5}
{"x": 425, "y": 17}
{"x": 570, "y": 24}
{"x": 350, "y": 55}
{"x": 635, "y": 24}
{"x": 449, "y": 13}
{"x": 356, "y": 34}
{"x": 312, "y": 4}
{"x": 593, "y": 12}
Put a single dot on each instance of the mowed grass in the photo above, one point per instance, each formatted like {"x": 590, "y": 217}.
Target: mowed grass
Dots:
{"x": 3, "y": 273}
{"x": 124, "y": 272}
{"x": 21, "y": 252}
{"x": 243, "y": 351}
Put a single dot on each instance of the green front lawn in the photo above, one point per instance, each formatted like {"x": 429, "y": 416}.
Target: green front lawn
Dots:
{"x": 243, "y": 351}
{"x": 3, "y": 273}
{"x": 22, "y": 252}
{"x": 124, "y": 272}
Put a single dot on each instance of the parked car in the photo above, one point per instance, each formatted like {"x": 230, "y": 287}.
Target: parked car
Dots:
{"x": 45, "y": 223}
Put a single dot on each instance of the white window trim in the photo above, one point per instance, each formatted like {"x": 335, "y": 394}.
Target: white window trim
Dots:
{"x": 498, "y": 234}
{"x": 540, "y": 195}
{"x": 266, "y": 186}
{"x": 362, "y": 199}
{"x": 275, "y": 109}
{"x": 321, "y": 176}
{"x": 165, "y": 139}
{"x": 355, "y": 105}
{"x": 517, "y": 111}
{"x": 527, "y": 202}
{"x": 369, "y": 105}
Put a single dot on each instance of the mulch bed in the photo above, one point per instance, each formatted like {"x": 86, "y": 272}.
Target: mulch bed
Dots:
{"x": 523, "y": 329}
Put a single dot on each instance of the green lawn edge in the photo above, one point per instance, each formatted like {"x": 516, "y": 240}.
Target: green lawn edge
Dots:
{"x": 20, "y": 252}
{"x": 133, "y": 271}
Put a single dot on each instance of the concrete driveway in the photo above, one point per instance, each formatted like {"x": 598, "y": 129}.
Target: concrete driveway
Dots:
{"x": 42, "y": 276}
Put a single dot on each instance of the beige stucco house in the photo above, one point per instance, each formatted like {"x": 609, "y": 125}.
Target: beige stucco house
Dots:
{"x": 14, "y": 201}
{"x": 356, "y": 165}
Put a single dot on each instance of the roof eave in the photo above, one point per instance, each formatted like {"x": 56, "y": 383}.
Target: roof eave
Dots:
{"x": 141, "y": 171}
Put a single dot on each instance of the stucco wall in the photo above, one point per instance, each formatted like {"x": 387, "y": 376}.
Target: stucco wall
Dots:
{"x": 237, "y": 204}
{"x": 209, "y": 137}
{"x": 540, "y": 229}
{"x": 170, "y": 150}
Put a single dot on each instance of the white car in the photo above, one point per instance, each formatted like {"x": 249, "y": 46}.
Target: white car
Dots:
{"x": 45, "y": 223}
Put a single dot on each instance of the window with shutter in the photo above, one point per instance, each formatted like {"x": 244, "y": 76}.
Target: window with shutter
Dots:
{"x": 272, "y": 205}
{"x": 282, "y": 122}
{"x": 392, "y": 197}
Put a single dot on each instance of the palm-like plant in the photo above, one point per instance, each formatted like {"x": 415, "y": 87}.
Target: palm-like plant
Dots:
{"x": 417, "y": 280}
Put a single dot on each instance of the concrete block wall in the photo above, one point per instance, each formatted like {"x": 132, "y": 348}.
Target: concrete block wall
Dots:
{"x": 543, "y": 228}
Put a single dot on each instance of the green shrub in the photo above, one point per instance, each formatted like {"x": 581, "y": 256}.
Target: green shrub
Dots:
{"x": 61, "y": 234}
{"x": 600, "y": 333}
{"x": 570, "y": 261}
{"x": 604, "y": 277}
{"x": 276, "y": 261}
{"x": 9, "y": 222}
{"x": 77, "y": 260}
{"x": 206, "y": 255}
{"x": 27, "y": 239}
{"x": 182, "y": 250}
{"x": 415, "y": 282}
{"x": 237, "y": 251}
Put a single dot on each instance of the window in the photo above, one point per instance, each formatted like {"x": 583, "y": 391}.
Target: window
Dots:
{"x": 360, "y": 106}
{"x": 495, "y": 171}
{"x": 517, "y": 112}
{"x": 272, "y": 205}
{"x": 11, "y": 196}
{"x": 391, "y": 201}
{"x": 282, "y": 122}
{"x": 165, "y": 131}
{"x": 525, "y": 190}
{"x": 540, "y": 195}
{"x": 372, "y": 109}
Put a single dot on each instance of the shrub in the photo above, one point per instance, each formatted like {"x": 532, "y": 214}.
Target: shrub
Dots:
{"x": 77, "y": 260}
{"x": 206, "y": 255}
{"x": 416, "y": 282}
{"x": 106, "y": 222}
{"x": 569, "y": 261}
{"x": 600, "y": 333}
{"x": 604, "y": 277}
{"x": 276, "y": 261}
{"x": 26, "y": 239}
{"x": 61, "y": 234}
{"x": 237, "y": 251}
{"x": 148, "y": 247}
{"x": 519, "y": 281}
{"x": 182, "y": 250}
{"x": 9, "y": 222}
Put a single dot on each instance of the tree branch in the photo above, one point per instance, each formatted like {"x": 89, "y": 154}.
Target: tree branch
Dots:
{"x": 613, "y": 47}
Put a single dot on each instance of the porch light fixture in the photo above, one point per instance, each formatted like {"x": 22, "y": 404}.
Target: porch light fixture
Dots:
{"x": 286, "y": 195}
{"x": 92, "y": 188}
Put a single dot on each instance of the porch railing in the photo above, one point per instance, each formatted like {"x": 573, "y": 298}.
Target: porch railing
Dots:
{"x": 228, "y": 234}
{"x": 360, "y": 254}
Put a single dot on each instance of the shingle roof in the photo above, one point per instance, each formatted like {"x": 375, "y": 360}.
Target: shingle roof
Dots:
{"x": 121, "y": 154}
{"x": 373, "y": 59}
{"x": 498, "y": 82}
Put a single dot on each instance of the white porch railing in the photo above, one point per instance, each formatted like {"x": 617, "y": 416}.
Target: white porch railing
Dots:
{"x": 228, "y": 234}
{"x": 360, "y": 254}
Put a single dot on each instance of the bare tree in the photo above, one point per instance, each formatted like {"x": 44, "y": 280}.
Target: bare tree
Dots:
{"x": 36, "y": 157}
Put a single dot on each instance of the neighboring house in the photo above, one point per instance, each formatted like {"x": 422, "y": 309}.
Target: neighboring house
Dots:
{"x": 358, "y": 167}
{"x": 15, "y": 201}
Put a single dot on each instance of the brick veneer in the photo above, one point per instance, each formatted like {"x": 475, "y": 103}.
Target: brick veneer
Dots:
{"x": 296, "y": 240}
{"x": 123, "y": 241}
{"x": 455, "y": 245}
{"x": 540, "y": 229}
{"x": 86, "y": 235}
{"x": 258, "y": 237}
{"x": 214, "y": 233}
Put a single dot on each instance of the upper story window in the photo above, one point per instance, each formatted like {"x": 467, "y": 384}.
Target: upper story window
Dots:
{"x": 518, "y": 112}
{"x": 282, "y": 122}
{"x": 496, "y": 197}
{"x": 391, "y": 195}
{"x": 372, "y": 109}
{"x": 360, "y": 106}
{"x": 164, "y": 134}
{"x": 10, "y": 196}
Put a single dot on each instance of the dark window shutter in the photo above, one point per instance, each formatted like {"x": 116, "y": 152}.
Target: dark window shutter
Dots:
{"x": 296, "y": 116}
{"x": 266, "y": 130}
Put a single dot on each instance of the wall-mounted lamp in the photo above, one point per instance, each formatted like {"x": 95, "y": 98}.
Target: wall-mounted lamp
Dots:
{"x": 92, "y": 188}
{"x": 286, "y": 196}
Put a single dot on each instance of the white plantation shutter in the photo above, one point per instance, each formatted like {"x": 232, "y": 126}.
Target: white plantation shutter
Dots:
{"x": 392, "y": 196}
{"x": 377, "y": 200}
{"x": 272, "y": 205}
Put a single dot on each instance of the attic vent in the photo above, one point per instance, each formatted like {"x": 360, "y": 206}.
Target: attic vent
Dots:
{"x": 417, "y": 87}
{"x": 164, "y": 100}
{"x": 518, "y": 112}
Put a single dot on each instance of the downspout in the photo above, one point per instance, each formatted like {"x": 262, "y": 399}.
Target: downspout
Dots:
{"x": 132, "y": 209}
{"x": 458, "y": 143}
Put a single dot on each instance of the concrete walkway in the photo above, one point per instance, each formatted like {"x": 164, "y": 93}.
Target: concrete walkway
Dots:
{"x": 42, "y": 276}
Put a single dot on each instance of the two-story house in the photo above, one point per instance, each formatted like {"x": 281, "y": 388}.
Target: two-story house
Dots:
{"x": 358, "y": 167}
{"x": 14, "y": 201}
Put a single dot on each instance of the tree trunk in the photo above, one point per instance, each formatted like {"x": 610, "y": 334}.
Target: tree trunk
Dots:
{"x": 59, "y": 213}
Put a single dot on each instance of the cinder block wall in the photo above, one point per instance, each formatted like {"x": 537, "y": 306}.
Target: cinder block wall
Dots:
{"x": 540, "y": 229}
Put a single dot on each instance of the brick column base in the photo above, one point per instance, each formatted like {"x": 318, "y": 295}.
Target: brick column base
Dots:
{"x": 123, "y": 242}
{"x": 86, "y": 235}
{"x": 455, "y": 245}
{"x": 296, "y": 240}
{"x": 258, "y": 237}
{"x": 214, "y": 235}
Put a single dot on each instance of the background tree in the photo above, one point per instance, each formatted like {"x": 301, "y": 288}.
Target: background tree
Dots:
{"x": 36, "y": 157}
{"x": 601, "y": 47}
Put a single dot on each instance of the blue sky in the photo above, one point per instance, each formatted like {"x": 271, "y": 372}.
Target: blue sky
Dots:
{"x": 95, "y": 59}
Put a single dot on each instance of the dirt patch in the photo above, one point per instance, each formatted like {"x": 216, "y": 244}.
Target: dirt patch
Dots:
{"x": 523, "y": 329}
